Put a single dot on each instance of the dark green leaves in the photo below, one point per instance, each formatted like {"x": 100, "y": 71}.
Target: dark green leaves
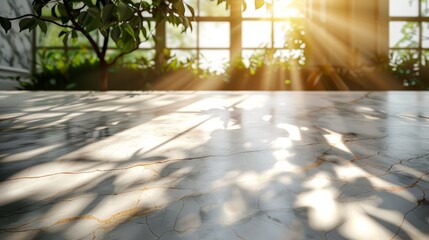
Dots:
{"x": 116, "y": 34}
{"x": 127, "y": 28}
{"x": 66, "y": 38}
{"x": 90, "y": 19}
{"x": 27, "y": 23}
{"x": 108, "y": 12}
{"x": 5, "y": 24}
{"x": 42, "y": 25}
{"x": 74, "y": 36}
{"x": 38, "y": 5}
{"x": 125, "y": 12}
{"x": 62, "y": 10}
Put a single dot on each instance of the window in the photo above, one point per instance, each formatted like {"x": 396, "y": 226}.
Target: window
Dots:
{"x": 208, "y": 42}
{"x": 277, "y": 28}
{"x": 409, "y": 31}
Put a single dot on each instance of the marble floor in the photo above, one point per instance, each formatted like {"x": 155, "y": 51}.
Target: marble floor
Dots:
{"x": 214, "y": 165}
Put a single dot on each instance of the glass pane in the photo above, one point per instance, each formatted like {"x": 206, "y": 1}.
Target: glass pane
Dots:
{"x": 399, "y": 8}
{"x": 51, "y": 39}
{"x": 176, "y": 38}
{"x": 184, "y": 56}
{"x": 425, "y": 8}
{"x": 147, "y": 44}
{"x": 404, "y": 57}
{"x": 214, "y": 34}
{"x": 193, "y": 4}
{"x": 212, "y": 9}
{"x": 250, "y": 11}
{"x": 404, "y": 34}
{"x": 141, "y": 58}
{"x": 425, "y": 38}
{"x": 50, "y": 58}
{"x": 256, "y": 34}
{"x": 405, "y": 64}
{"x": 254, "y": 58}
{"x": 58, "y": 59}
{"x": 289, "y": 34}
{"x": 214, "y": 60}
{"x": 288, "y": 55}
{"x": 425, "y": 58}
{"x": 289, "y": 8}
{"x": 150, "y": 43}
{"x": 46, "y": 10}
{"x": 281, "y": 33}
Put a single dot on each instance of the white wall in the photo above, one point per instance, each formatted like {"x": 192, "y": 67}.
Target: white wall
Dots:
{"x": 16, "y": 55}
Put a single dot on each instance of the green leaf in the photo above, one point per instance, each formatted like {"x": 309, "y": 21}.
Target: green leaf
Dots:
{"x": 88, "y": 21}
{"x": 191, "y": 9}
{"x": 127, "y": 28}
{"x": 74, "y": 36}
{"x": 180, "y": 8}
{"x": 145, "y": 5}
{"x": 5, "y": 24}
{"x": 243, "y": 2}
{"x": 115, "y": 34}
{"x": 62, "y": 10}
{"x": 62, "y": 33}
{"x": 37, "y": 6}
{"x": 259, "y": 3}
{"x": 94, "y": 12}
{"x": 42, "y": 26}
{"x": 27, "y": 23}
{"x": 144, "y": 32}
{"x": 53, "y": 11}
{"x": 107, "y": 12}
{"x": 88, "y": 3}
{"x": 66, "y": 38}
{"x": 124, "y": 12}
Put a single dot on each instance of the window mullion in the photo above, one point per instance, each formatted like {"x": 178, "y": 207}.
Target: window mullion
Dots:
{"x": 235, "y": 30}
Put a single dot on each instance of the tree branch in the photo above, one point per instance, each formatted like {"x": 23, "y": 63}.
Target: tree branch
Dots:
{"x": 121, "y": 55}
{"x": 43, "y": 19}
{"x": 83, "y": 31}
{"x": 105, "y": 43}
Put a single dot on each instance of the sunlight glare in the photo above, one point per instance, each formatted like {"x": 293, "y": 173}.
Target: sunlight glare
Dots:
{"x": 335, "y": 140}
{"x": 324, "y": 212}
{"x": 294, "y": 133}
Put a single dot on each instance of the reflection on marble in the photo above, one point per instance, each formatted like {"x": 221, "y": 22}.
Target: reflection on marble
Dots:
{"x": 214, "y": 165}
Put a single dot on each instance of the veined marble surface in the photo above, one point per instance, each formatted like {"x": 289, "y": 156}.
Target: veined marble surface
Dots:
{"x": 214, "y": 165}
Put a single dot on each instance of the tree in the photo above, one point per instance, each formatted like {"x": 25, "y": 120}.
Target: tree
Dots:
{"x": 126, "y": 22}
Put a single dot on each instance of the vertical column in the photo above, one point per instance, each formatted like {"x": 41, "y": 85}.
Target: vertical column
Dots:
{"x": 160, "y": 44}
{"x": 382, "y": 28}
{"x": 235, "y": 29}
{"x": 369, "y": 29}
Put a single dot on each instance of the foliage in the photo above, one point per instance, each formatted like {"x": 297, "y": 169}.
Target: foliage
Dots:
{"x": 76, "y": 70}
{"x": 59, "y": 71}
{"x": 126, "y": 22}
{"x": 406, "y": 67}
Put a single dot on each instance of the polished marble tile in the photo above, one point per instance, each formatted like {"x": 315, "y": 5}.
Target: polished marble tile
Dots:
{"x": 214, "y": 165}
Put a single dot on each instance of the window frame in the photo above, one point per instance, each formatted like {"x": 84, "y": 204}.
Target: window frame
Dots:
{"x": 420, "y": 20}
{"x": 235, "y": 20}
